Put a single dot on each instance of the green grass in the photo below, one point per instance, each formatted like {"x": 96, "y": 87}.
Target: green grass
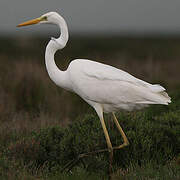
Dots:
{"x": 154, "y": 146}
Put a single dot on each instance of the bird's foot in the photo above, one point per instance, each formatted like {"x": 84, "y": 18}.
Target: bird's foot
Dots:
{"x": 121, "y": 146}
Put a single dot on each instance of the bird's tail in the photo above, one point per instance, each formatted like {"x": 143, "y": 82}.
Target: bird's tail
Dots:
{"x": 159, "y": 90}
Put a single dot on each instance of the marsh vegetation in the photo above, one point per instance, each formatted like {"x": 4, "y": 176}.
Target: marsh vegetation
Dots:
{"x": 43, "y": 126}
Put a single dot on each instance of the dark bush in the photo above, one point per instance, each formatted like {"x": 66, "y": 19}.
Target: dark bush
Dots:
{"x": 151, "y": 139}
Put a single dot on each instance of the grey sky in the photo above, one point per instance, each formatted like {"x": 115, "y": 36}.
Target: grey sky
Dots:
{"x": 94, "y": 15}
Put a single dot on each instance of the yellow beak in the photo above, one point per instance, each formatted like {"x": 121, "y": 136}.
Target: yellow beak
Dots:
{"x": 30, "y": 22}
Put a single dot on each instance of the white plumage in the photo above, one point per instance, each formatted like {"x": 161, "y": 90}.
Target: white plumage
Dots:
{"x": 105, "y": 88}
{"x": 114, "y": 89}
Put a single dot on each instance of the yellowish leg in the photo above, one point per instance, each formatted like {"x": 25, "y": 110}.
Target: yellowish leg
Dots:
{"x": 126, "y": 142}
{"x": 110, "y": 149}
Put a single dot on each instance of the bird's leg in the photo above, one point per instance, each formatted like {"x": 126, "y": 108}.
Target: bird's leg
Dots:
{"x": 71, "y": 164}
{"x": 110, "y": 149}
{"x": 126, "y": 142}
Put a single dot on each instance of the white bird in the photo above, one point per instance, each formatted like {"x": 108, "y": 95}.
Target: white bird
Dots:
{"x": 105, "y": 88}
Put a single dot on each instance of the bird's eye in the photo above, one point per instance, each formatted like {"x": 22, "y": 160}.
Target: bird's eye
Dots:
{"x": 44, "y": 18}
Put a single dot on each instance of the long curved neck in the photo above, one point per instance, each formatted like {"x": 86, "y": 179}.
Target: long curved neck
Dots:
{"x": 57, "y": 76}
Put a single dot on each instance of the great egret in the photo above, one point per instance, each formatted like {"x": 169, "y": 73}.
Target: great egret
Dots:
{"x": 105, "y": 88}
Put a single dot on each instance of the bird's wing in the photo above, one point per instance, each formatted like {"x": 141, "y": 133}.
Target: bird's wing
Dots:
{"x": 106, "y": 84}
{"x": 110, "y": 73}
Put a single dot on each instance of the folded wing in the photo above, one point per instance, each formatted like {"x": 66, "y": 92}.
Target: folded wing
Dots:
{"x": 105, "y": 84}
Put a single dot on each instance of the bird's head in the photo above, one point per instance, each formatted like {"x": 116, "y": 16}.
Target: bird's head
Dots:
{"x": 49, "y": 18}
{"x": 52, "y": 18}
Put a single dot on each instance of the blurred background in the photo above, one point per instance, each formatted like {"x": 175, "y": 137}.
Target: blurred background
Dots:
{"x": 95, "y": 17}
{"x": 140, "y": 37}
{"x": 137, "y": 36}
